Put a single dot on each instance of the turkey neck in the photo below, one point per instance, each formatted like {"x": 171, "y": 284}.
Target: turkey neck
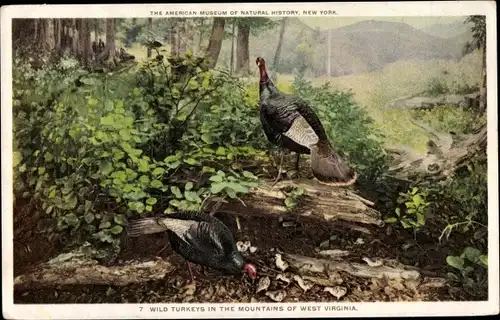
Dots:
{"x": 266, "y": 86}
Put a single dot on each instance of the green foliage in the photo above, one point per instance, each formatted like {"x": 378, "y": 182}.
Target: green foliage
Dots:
{"x": 348, "y": 127}
{"x": 450, "y": 119}
{"x": 470, "y": 269}
{"x": 293, "y": 196}
{"x": 412, "y": 208}
{"x": 93, "y": 156}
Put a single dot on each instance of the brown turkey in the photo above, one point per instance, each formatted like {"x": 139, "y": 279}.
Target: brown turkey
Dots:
{"x": 199, "y": 238}
{"x": 290, "y": 123}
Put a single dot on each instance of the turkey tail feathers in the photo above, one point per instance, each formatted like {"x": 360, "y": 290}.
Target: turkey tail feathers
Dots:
{"x": 329, "y": 168}
{"x": 145, "y": 226}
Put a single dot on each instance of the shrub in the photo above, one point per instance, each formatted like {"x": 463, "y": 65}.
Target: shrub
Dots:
{"x": 92, "y": 157}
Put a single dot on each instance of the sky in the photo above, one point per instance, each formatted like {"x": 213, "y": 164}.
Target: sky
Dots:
{"x": 337, "y": 22}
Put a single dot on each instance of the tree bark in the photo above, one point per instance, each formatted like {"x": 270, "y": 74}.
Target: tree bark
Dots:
{"x": 110, "y": 55}
{"x": 173, "y": 38}
{"x": 321, "y": 203}
{"x": 57, "y": 32}
{"x": 242, "y": 51}
{"x": 150, "y": 30}
{"x": 74, "y": 268}
{"x": 483, "y": 88}
{"x": 96, "y": 30}
{"x": 74, "y": 37}
{"x": 280, "y": 43}
{"x": 85, "y": 43}
{"x": 231, "y": 67}
{"x": 182, "y": 37}
{"x": 215, "y": 43}
{"x": 446, "y": 153}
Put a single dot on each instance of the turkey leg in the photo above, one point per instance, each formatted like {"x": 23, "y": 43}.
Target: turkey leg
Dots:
{"x": 279, "y": 169}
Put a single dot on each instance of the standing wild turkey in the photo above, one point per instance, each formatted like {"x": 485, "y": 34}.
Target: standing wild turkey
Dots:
{"x": 290, "y": 123}
{"x": 199, "y": 238}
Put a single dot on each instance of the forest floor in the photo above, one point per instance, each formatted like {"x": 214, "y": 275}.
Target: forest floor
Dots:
{"x": 269, "y": 236}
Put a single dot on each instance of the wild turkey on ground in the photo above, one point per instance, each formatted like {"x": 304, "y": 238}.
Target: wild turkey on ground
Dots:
{"x": 199, "y": 238}
{"x": 290, "y": 123}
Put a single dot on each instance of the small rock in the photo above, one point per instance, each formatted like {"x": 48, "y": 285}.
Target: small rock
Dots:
{"x": 359, "y": 241}
{"x": 283, "y": 278}
{"x": 280, "y": 219}
{"x": 333, "y": 237}
{"x": 188, "y": 299}
{"x": 283, "y": 265}
{"x": 277, "y": 296}
{"x": 302, "y": 283}
{"x": 325, "y": 244}
{"x": 221, "y": 290}
{"x": 253, "y": 300}
{"x": 337, "y": 291}
{"x": 263, "y": 284}
{"x": 25, "y": 294}
{"x": 252, "y": 249}
{"x": 376, "y": 262}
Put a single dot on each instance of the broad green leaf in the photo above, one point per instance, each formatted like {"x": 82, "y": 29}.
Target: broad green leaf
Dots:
{"x": 88, "y": 205}
{"x": 176, "y": 191}
{"x": 217, "y": 187}
{"x": 120, "y": 219}
{"x": 237, "y": 187}
{"x": 106, "y": 167}
{"x": 71, "y": 219}
{"x": 144, "y": 179}
{"x": 391, "y": 220}
{"x": 181, "y": 116}
{"x": 398, "y": 212}
{"x": 52, "y": 193}
{"x": 455, "y": 262}
{"x": 108, "y": 105}
{"x": 151, "y": 201}
{"x": 157, "y": 184}
{"x": 484, "y": 259}
{"x": 89, "y": 217}
{"x": 472, "y": 254}
{"x": 207, "y": 169}
{"x": 417, "y": 200}
{"x": 192, "y": 196}
{"x": 125, "y": 134}
{"x": 41, "y": 170}
{"x": 158, "y": 171}
{"x": 143, "y": 165}
{"x": 149, "y": 208}
{"x": 188, "y": 186}
{"x": 221, "y": 151}
{"x": 216, "y": 178}
{"x": 49, "y": 209}
{"x": 104, "y": 225}
{"x": 207, "y": 138}
{"x": 117, "y": 229}
{"x": 231, "y": 193}
{"x": 108, "y": 121}
{"x": 190, "y": 161}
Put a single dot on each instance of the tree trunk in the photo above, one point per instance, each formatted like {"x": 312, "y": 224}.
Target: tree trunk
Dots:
{"x": 173, "y": 38}
{"x": 231, "y": 67}
{"x": 280, "y": 43}
{"x": 182, "y": 37}
{"x": 35, "y": 34}
{"x": 85, "y": 43}
{"x": 74, "y": 37}
{"x": 110, "y": 55}
{"x": 242, "y": 51}
{"x": 215, "y": 43}
{"x": 483, "y": 95}
{"x": 96, "y": 31}
{"x": 150, "y": 30}
{"x": 57, "y": 33}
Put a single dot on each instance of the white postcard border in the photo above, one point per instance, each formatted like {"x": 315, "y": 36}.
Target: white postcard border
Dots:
{"x": 344, "y": 9}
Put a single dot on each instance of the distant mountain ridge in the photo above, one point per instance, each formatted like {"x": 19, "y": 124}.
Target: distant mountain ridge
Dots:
{"x": 363, "y": 46}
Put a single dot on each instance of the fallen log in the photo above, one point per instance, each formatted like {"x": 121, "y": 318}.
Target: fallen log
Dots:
{"x": 466, "y": 101}
{"x": 445, "y": 154}
{"x": 319, "y": 202}
{"x": 75, "y": 268}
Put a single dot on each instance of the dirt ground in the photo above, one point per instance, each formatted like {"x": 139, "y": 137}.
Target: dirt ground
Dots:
{"x": 269, "y": 236}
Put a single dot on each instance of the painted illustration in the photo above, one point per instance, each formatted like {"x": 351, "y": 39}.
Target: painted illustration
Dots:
{"x": 250, "y": 159}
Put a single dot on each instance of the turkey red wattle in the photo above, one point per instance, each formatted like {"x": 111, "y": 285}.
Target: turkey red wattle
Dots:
{"x": 251, "y": 270}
